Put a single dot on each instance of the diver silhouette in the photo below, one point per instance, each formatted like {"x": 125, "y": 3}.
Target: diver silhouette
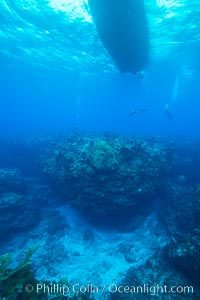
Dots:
{"x": 135, "y": 112}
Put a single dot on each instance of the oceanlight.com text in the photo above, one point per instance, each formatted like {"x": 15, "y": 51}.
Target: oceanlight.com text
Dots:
{"x": 57, "y": 288}
{"x": 150, "y": 289}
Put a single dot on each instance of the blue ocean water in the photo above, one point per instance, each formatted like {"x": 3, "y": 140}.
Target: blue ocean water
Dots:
{"x": 55, "y": 72}
{"x": 108, "y": 197}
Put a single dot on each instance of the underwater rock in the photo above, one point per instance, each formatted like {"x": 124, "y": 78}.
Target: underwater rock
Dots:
{"x": 11, "y": 180}
{"x": 154, "y": 279}
{"x": 88, "y": 237}
{"x": 180, "y": 209}
{"x": 184, "y": 253}
{"x": 109, "y": 177}
{"x": 103, "y": 156}
{"x": 57, "y": 253}
{"x": 17, "y": 213}
{"x": 181, "y": 213}
{"x": 126, "y": 250}
{"x": 181, "y": 179}
{"x": 19, "y": 282}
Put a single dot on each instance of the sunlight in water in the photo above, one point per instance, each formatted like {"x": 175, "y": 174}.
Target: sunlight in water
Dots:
{"x": 170, "y": 15}
{"x": 170, "y": 3}
{"x": 76, "y": 9}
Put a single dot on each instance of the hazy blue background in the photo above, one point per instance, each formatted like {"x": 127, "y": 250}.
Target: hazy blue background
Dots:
{"x": 55, "y": 75}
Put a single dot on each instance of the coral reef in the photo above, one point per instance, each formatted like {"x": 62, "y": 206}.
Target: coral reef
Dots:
{"x": 19, "y": 283}
{"x": 184, "y": 253}
{"x": 184, "y": 250}
{"x": 18, "y": 209}
{"x": 157, "y": 279}
{"x": 148, "y": 187}
{"x": 11, "y": 180}
{"x": 17, "y": 213}
{"x": 180, "y": 208}
{"x": 104, "y": 176}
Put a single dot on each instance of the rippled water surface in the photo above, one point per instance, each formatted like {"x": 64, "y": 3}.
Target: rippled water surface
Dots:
{"x": 60, "y": 33}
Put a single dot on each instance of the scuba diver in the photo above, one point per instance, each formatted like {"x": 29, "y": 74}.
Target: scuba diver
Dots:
{"x": 135, "y": 112}
{"x": 168, "y": 112}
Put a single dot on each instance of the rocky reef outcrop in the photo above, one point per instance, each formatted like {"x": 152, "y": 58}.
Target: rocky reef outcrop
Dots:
{"x": 184, "y": 249}
{"x": 18, "y": 210}
{"x": 11, "y": 180}
{"x": 148, "y": 184}
{"x": 180, "y": 208}
{"x": 109, "y": 176}
{"x": 17, "y": 213}
{"x": 155, "y": 279}
{"x": 184, "y": 254}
